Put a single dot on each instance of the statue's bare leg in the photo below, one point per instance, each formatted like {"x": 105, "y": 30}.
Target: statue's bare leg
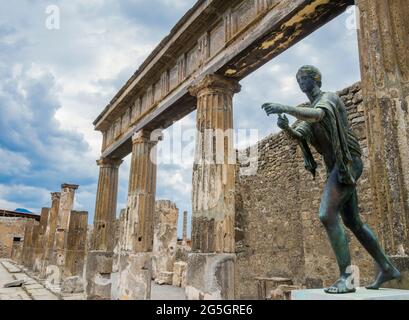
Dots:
{"x": 334, "y": 196}
{"x": 352, "y": 220}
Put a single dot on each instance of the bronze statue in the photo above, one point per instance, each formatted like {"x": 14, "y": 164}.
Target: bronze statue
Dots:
{"x": 325, "y": 127}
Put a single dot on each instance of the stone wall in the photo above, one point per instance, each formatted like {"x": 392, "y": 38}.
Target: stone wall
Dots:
{"x": 278, "y": 232}
{"x": 10, "y": 228}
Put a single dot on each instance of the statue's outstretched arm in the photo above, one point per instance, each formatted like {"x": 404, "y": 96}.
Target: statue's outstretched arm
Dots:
{"x": 301, "y": 113}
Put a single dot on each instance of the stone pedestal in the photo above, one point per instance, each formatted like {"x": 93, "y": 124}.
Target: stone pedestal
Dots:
{"x": 210, "y": 276}
{"x": 360, "y": 294}
{"x": 98, "y": 275}
{"x": 136, "y": 275}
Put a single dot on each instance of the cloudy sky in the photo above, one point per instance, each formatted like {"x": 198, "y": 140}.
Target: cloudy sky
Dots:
{"x": 54, "y": 83}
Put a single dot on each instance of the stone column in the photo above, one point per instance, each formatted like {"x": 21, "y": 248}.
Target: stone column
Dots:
{"x": 384, "y": 47}
{"x": 28, "y": 243}
{"x": 99, "y": 259}
{"x": 39, "y": 250}
{"x": 50, "y": 233}
{"x": 135, "y": 261}
{"x": 75, "y": 255}
{"x": 63, "y": 222}
{"x": 184, "y": 239}
{"x": 210, "y": 272}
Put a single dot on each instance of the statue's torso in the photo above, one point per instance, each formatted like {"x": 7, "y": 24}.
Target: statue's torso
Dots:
{"x": 319, "y": 136}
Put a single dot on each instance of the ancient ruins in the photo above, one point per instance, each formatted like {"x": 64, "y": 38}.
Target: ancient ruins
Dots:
{"x": 243, "y": 246}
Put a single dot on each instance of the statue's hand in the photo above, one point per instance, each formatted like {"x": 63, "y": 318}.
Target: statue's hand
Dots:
{"x": 274, "y": 108}
{"x": 283, "y": 122}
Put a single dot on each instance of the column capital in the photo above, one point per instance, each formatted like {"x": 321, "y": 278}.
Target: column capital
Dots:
{"x": 69, "y": 186}
{"x": 55, "y": 196}
{"x": 214, "y": 83}
{"x": 109, "y": 162}
{"x": 146, "y": 136}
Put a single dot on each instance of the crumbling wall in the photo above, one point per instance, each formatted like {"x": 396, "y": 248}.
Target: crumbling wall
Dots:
{"x": 278, "y": 232}
{"x": 11, "y": 229}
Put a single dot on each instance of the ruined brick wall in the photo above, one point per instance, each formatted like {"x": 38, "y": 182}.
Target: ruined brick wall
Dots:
{"x": 10, "y": 228}
{"x": 278, "y": 232}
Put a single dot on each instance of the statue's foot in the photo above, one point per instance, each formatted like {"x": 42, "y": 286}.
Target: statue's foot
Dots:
{"x": 384, "y": 276}
{"x": 340, "y": 287}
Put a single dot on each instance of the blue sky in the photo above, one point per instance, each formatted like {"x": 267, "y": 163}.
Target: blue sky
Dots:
{"x": 54, "y": 83}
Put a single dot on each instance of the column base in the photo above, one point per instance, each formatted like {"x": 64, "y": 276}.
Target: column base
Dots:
{"x": 135, "y": 276}
{"x": 210, "y": 276}
{"x": 98, "y": 275}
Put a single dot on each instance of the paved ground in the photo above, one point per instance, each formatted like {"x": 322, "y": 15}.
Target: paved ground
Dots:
{"x": 167, "y": 293}
{"x": 30, "y": 290}
{"x": 35, "y": 289}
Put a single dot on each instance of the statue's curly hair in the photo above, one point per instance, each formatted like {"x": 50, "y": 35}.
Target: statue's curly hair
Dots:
{"x": 312, "y": 71}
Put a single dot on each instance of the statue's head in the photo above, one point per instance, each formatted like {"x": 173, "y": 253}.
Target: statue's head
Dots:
{"x": 309, "y": 77}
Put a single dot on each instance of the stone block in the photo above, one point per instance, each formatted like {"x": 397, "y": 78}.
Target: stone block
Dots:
{"x": 164, "y": 278}
{"x": 179, "y": 274}
{"x": 210, "y": 276}
{"x": 72, "y": 285}
{"x": 135, "y": 276}
{"x": 98, "y": 275}
{"x": 283, "y": 292}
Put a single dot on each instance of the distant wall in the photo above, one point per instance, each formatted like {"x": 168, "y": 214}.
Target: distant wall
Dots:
{"x": 10, "y": 228}
{"x": 278, "y": 232}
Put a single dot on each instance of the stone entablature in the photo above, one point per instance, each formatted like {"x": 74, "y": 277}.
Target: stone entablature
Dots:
{"x": 232, "y": 38}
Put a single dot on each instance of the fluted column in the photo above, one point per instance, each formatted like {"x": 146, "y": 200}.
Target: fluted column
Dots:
{"x": 135, "y": 265}
{"x": 100, "y": 256}
{"x": 213, "y": 201}
{"x": 384, "y": 48}
{"x": 184, "y": 238}
{"x": 105, "y": 207}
